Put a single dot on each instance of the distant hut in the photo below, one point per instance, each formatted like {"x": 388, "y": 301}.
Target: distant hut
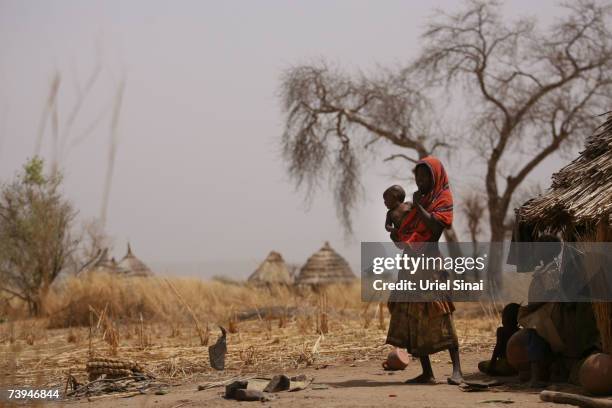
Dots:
{"x": 579, "y": 205}
{"x": 131, "y": 266}
{"x": 325, "y": 266}
{"x": 272, "y": 271}
{"x": 102, "y": 264}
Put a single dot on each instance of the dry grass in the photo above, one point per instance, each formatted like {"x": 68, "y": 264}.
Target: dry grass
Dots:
{"x": 330, "y": 328}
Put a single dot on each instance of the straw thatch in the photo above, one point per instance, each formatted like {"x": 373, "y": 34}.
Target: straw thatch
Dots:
{"x": 581, "y": 192}
{"x": 130, "y": 265}
{"x": 103, "y": 264}
{"x": 325, "y": 266}
{"x": 272, "y": 271}
{"x": 579, "y": 203}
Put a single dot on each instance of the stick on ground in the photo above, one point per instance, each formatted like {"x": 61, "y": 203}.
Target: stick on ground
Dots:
{"x": 575, "y": 399}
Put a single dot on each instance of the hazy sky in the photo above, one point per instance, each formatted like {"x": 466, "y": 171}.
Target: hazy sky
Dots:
{"x": 198, "y": 177}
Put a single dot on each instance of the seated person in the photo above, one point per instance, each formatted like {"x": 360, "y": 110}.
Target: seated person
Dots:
{"x": 498, "y": 365}
{"x": 540, "y": 316}
{"x": 546, "y": 284}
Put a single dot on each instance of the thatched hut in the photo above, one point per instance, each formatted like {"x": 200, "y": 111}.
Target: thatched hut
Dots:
{"x": 325, "y": 266}
{"x": 102, "y": 264}
{"x": 578, "y": 206}
{"x": 131, "y": 266}
{"x": 581, "y": 193}
{"x": 272, "y": 271}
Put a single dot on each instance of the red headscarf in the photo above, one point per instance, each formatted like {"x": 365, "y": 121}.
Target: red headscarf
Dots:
{"x": 438, "y": 202}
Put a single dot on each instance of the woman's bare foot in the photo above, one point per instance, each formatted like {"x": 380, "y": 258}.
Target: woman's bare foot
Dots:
{"x": 421, "y": 379}
{"x": 455, "y": 379}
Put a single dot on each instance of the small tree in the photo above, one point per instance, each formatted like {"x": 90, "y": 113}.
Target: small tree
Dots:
{"x": 35, "y": 241}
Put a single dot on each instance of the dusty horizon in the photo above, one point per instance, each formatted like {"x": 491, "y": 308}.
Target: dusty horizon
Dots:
{"x": 199, "y": 187}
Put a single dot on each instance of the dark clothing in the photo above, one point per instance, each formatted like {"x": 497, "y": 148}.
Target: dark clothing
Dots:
{"x": 521, "y": 254}
{"x": 503, "y": 335}
{"x": 537, "y": 348}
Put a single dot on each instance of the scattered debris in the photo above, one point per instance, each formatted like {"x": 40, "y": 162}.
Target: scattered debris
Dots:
{"x": 475, "y": 386}
{"x": 230, "y": 389}
{"x": 113, "y": 368}
{"x": 497, "y": 401}
{"x": 278, "y": 383}
{"x": 217, "y": 351}
{"x": 261, "y": 389}
{"x": 117, "y": 387}
{"x": 299, "y": 382}
{"x": 248, "y": 395}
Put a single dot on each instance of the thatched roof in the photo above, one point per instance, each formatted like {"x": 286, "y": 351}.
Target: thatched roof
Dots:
{"x": 102, "y": 264}
{"x": 273, "y": 270}
{"x": 323, "y": 267}
{"x": 130, "y": 265}
{"x": 581, "y": 192}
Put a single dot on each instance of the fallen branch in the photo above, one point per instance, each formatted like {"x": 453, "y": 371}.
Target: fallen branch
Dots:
{"x": 575, "y": 399}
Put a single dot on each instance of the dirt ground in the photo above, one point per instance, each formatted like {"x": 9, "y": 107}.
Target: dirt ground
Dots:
{"x": 362, "y": 384}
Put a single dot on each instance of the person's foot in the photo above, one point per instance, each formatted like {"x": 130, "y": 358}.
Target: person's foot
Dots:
{"x": 421, "y": 379}
{"x": 455, "y": 379}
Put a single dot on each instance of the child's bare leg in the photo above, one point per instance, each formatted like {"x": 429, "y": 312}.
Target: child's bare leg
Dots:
{"x": 456, "y": 378}
{"x": 427, "y": 377}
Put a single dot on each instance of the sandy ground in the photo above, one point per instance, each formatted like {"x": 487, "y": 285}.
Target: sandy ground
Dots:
{"x": 358, "y": 385}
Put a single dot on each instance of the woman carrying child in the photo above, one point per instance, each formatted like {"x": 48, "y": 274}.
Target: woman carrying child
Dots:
{"x": 424, "y": 328}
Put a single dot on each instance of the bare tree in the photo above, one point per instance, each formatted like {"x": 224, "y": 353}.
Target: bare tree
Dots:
{"x": 62, "y": 132}
{"x": 533, "y": 92}
{"x": 112, "y": 150}
{"x": 332, "y": 118}
{"x": 474, "y": 212}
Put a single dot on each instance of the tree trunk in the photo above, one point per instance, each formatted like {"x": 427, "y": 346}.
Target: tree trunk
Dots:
{"x": 452, "y": 242}
{"x": 496, "y": 252}
{"x": 39, "y": 301}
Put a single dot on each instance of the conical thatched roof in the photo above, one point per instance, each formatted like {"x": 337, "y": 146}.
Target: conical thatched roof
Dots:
{"x": 273, "y": 270}
{"x": 581, "y": 192}
{"x": 323, "y": 267}
{"x": 132, "y": 266}
{"x": 103, "y": 264}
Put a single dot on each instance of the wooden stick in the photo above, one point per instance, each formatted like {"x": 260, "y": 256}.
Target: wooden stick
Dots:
{"x": 574, "y": 399}
{"x": 203, "y": 335}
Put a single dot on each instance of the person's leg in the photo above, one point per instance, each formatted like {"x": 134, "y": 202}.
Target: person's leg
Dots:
{"x": 457, "y": 377}
{"x": 538, "y": 352}
{"x": 483, "y": 366}
{"x": 427, "y": 377}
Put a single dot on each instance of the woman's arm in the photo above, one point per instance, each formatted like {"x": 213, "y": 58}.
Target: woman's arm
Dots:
{"x": 432, "y": 223}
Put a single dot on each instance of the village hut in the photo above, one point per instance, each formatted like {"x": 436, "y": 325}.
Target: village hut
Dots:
{"x": 131, "y": 266}
{"x": 102, "y": 264}
{"x": 272, "y": 271}
{"x": 578, "y": 206}
{"x": 581, "y": 193}
{"x": 324, "y": 267}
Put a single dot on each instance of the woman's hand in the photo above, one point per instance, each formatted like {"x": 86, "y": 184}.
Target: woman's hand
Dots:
{"x": 416, "y": 197}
